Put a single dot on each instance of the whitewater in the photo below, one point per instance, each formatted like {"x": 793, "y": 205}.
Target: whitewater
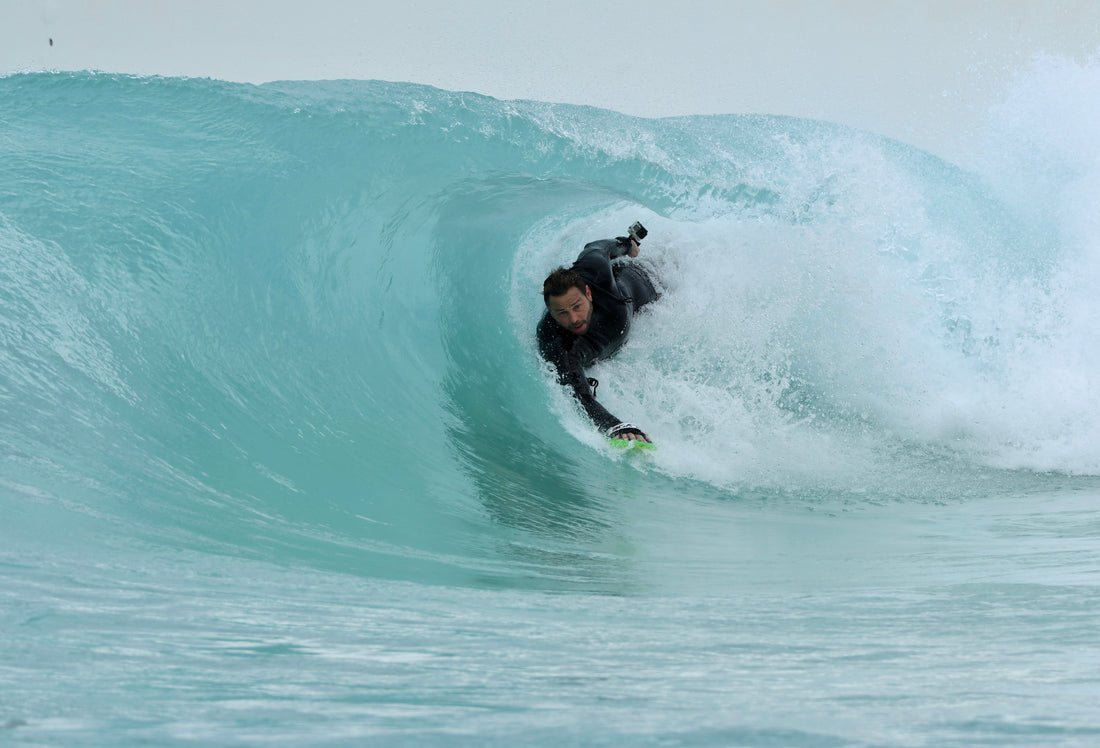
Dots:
{"x": 280, "y": 464}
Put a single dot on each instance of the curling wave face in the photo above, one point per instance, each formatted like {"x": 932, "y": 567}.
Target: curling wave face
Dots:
{"x": 297, "y": 319}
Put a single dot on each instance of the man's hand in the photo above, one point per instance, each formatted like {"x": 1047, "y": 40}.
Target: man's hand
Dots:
{"x": 628, "y": 432}
{"x": 634, "y": 249}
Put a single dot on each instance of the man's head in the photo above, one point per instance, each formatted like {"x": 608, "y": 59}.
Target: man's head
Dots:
{"x": 569, "y": 300}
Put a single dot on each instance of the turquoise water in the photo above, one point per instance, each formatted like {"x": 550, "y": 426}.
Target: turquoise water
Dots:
{"x": 279, "y": 463}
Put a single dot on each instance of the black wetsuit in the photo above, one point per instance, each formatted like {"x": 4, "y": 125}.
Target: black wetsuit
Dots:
{"x": 617, "y": 291}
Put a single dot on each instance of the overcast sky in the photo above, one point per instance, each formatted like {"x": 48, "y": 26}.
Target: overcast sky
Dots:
{"x": 924, "y": 72}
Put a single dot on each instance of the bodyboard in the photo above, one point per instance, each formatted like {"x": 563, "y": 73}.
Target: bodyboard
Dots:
{"x": 632, "y": 445}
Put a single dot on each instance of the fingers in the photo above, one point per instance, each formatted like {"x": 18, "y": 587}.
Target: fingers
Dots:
{"x": 628, "y": 432}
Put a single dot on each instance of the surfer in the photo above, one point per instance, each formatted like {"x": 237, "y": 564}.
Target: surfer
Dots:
{"x": 588, "y": 313}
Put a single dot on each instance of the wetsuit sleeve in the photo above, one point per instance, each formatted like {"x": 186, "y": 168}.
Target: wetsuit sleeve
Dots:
{"x": 594, "y": 261}
{"x": 570, "y": 367}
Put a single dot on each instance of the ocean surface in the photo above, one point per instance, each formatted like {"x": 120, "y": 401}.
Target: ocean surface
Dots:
{"x": 279, "y": 463}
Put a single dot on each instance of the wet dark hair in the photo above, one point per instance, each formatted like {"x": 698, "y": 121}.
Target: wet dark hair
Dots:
{"x": 560, "y": 281}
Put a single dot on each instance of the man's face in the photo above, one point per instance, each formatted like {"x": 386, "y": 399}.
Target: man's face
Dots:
{"x": 572, "y": 310}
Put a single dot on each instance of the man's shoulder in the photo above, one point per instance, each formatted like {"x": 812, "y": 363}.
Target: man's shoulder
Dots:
{"x": 549, "y": 335}
{"x": 601, "y": 244}
{"x": 602, "y": 248}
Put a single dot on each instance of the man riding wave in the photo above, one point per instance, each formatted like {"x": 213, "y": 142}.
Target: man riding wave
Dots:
{"x": 589, "y": 308}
